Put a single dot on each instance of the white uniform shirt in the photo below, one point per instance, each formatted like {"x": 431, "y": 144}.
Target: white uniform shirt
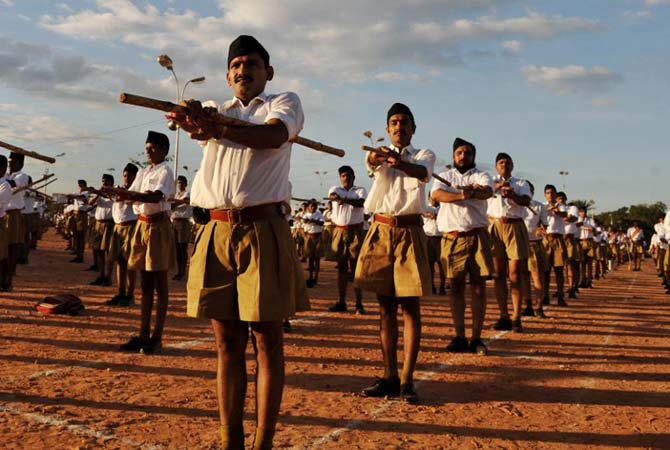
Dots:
{"x": 234, "y": 176}
{"x": 555, "y": 222}
{"x": 104, "y": 208}
{"x": 572, "y": 228}
{"x": 655, "y": 241}
{"x": 5, "y": 196}
{"x": 182, "y": 211}
{"x": 311, "y": 227}
{"x": 150, "y": 179}
{"x": 586, "y": 226}
{"x": 79, "y": 204}
{"x": 463, "y": 215}
{"x": 344, "y": 213}
{"x": 21, "y": 179}
{"x": 328, "y": 217}
{"x": 123, "y": 212}
{"x": 430, "y": 223}
{"x": 636, "y": 236}
{"x": 660, "y": 232}
{"x": 394, "y": 192}
{"x": 29, "y": 202}
{"x": 504, "y": 207}
{"x": 533, "y": 221}
{"x": 666, "y": 224}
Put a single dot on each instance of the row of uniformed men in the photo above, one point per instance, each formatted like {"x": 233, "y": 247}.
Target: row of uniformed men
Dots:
{"x": 658, "y": 248}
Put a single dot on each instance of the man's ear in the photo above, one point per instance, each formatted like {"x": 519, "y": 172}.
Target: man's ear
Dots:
{"x": 270, "y": 72}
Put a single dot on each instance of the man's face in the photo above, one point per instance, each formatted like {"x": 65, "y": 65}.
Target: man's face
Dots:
{"x": 128, "y": 178}
{"x": 82, "y": 187}
{"x": 560, "y": 199}
{"x": 400, "y": 129}
{"x": 347, "y": 179}
{"x": 311, "y": 207}
{"x": 106, "y": 182}
{"x": 155, "y": 153}
{"x": 247, "y": 76}
{"x": 504, "y": 167}
{"x": 550, "y": 195}
{"x": 181, "y": 185}
{"x": 582, "y": 213}
{"x": 464, "y": 156}
{"x": 15, "y": 165}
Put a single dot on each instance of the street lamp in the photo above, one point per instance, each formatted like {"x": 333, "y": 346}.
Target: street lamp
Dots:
{"x": 166, "y": 62}
{"x": 321, "y": 175}
{"x": 564, "y": 174}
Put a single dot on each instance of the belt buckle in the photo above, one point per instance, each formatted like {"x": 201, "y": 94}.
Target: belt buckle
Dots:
{"x": 235, "y": 216}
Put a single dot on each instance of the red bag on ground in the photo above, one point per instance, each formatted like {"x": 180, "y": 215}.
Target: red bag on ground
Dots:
{"x": 60, "y": 304}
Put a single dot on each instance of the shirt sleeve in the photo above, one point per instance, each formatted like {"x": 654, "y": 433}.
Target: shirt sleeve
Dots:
{"x": 137, "y": 182}
{"x": 524, "y": 189}
{"x": 426, "y": 158}
{"x": 165, "y": 183}
{"x": 484, "y": 179}
{"x": 287, "y": 108}
{"x": 361, "y": 193}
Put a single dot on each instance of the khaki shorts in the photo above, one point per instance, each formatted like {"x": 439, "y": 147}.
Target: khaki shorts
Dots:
{"x": 572, "y": 248}
{"x": 434, "y": 249}
{"x": 346, "y": 244}
{"x": 636, "y": 248}
{"x": 119, "y": 248}
{"x": 81, "y": 221}
{"x": 601, "y": 252}
{"x": 152, "y": 246}
{"x": 16, "y": 232}
{"x": 247, "y": 272}
{"x": 509, "y": 240}
{"x": 556, "y": 253}
{"x": 182, "y": 230}
{"x": 32, "y": 222}
{"x": 588, "y": 248}
{"x": 313, "y": 245}
{"x": 666, "y": 261}
{"x": 537, "y": 261}
{"x": 467, "y": 254}
{"x": 102, "y": 235}
{"x": 3, "y": 238}
{"x": 394, "y": 262}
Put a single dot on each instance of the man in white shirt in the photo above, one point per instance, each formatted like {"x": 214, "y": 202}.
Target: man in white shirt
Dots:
{"x": 555, "y": 245}
{"x": 586, "y": 229}
{"x": 31, "y": 221}
{"x": 572, "y": 247}
{"x": 80, "y": 223}
{"x": 312, "y": 225}
{"x": 662, "y": 247}
{"x": 434, "y": 237}
{"x": 152, "y": 249}
{"x": 393, "y": 261}
{"x": 509, "y": 236}
{"x": 5, "y": 197}
{"x": 666, "y": 259}
{"x": 347, "y": 215}
{"x": 636, "y": 236}
{"x": 181, "y": 225}
{"x": 125, "y": 221}
{"x": 536, "y": 222}
{"x": 466, "y": 243}
{"x": 102, "y": 231}
{"x": 243, "y": 182}
{"x": 15, "y": 224}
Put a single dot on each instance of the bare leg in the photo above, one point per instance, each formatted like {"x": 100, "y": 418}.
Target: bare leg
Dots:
{"x": 388, "y": 334}
{"x": 458, "y": 304}
{"x": 516, "y": 278}
{"x": 411, "y": 337}
{"x": 161, "y": 286}
{"x": 500, "y": 265}
{"x": 147, "y": 303}
{"x": 478, "y": 285}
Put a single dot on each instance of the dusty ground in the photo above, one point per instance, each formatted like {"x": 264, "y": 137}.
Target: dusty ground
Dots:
{"x": 594, "y": 375}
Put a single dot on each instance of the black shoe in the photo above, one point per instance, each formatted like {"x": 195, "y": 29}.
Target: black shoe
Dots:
{"x": 287, "y": 326}
{"x": 97, "y": 282}
{"x": 338, "y": 307}
{"x": 77, "y": 260}
{"x": 561, "y": 302}
{"x": 360, "y": 311}
{"x": 458, "y": 345}
{"x": 555, "y": 294}
{"x": 528, "y": 311}
{"x": 310, "y": 283}
{"x": 434, "y": 290}
{"x": 516, "y": 325}
{"x": 540, "y": 313}
{"x": 443, "y": 291}
{"x": 478, "y": 347}
{"x": 106, "y": 282}
{"x": 572, "y": 294}
{"x": 151, "y": 346}
{"x": 503, "y": 324}
{"x": 408, "y": 394}
{"x": 22, "y": 261}
{"x": 114, "y": 301}
{"x": 126, "y": 300}
{"x": 545, "y": 300}
{"x": 382, "y": 388}
{"x": 589, "y": 284}
{"x": 92, "y": 268}
{"x": 134, "y": 344}
{"x": 178, "y": 277}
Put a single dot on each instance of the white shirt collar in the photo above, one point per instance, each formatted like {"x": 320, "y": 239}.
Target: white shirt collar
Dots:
{"x": 262, "y": 98}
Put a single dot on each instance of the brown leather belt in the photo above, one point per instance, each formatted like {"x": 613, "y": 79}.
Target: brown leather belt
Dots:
{"x": 105, "y": 221}
{"x": 174, "y": 219}
{"x": 405, "y": 221}
{"x": 553, "y": 235}
{"x": 587, "y": 239}
{"x": 569, "y": 235}
{"x": 127, "y": 222}
{"x": 313, "y": 234}
{"x": 249, "y": 214}
{"x": 354, "y": 226}
{"x": 473, "y": 232}
{"x": 154, "y": 218}
{"x": 506, "y": 219}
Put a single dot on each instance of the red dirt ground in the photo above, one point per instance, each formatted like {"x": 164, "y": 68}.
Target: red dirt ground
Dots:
{"x": 594, "y": 375}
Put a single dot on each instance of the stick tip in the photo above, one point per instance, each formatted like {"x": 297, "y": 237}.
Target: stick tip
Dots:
{"x": 122, "y": 97}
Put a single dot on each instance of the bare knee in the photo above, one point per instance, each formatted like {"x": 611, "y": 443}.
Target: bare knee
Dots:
{"x": 268, "y": 337}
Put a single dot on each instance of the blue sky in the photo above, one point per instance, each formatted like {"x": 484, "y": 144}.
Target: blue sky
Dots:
{"x": 579, "y": 86}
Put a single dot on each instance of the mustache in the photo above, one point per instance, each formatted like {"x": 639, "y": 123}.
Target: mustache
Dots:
{"x": 239, "y": 78}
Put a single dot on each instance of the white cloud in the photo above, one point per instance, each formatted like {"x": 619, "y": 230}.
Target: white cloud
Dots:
{"x": 7, "y": 2}
{"x": 656, "y": 2}
{"x": 398, "y": 76}
{"x": 512, "y": 47}
{"x": 571, "y": 79}
{"x": 21, "y": 125}
{"x": 644, "y": 14}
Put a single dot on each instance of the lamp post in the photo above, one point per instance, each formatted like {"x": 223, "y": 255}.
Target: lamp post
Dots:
{"x": 321, "y": 175}
{"x": 166, "y": 62}
{"x": 564, "y": 174}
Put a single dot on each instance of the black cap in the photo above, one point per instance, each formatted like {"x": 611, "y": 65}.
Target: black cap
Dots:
{"x": 503, "y": 155}
{"x": 399, "y": 108}
{"x": 16, "y": 156}
{"x": 343, "y": 169}
{"x": 246, "y": 45}
{"x": 458, "y": 142}
{"x": 159, "y": 139}
{"x": 131, "y": 168}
